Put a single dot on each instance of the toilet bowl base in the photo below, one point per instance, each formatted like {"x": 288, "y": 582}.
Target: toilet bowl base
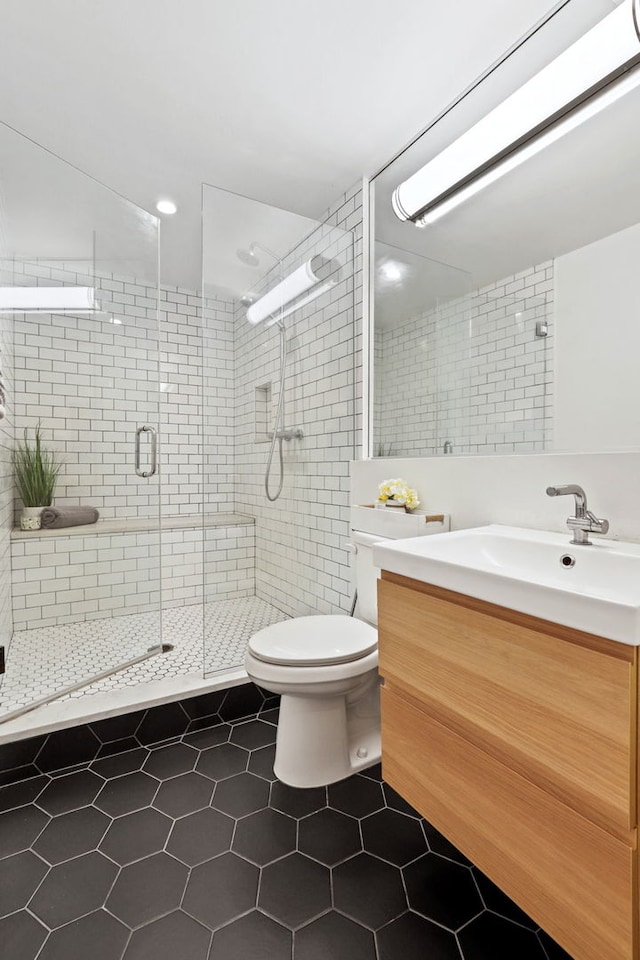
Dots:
{"x": 324, "y": 739}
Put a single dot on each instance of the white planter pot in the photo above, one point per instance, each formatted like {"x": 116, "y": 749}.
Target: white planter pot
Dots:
{"x": 30, "y": 518}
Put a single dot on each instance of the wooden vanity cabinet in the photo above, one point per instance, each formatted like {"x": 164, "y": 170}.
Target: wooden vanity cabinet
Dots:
{"x": 517, "y": 739}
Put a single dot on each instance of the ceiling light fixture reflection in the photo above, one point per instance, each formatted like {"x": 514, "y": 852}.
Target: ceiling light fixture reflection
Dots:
{"x": 48, "y": 299}
{"x": 585, "y": 79}
{"x": 166, "y": 206}
{"x": 393, "y": 271}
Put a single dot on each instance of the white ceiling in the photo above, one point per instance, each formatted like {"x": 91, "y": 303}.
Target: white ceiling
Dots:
{"x": 282, "y": 100}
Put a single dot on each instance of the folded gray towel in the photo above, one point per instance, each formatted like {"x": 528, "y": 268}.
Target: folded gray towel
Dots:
{"x": 54, "y": 518}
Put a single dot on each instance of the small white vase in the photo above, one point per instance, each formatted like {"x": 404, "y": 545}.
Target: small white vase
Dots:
{"x": 394, "y": 503}
{"x": 30, "y": 518}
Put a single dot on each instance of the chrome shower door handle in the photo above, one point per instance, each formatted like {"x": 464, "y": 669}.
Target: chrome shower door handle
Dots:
{"x": 154, "y": 451}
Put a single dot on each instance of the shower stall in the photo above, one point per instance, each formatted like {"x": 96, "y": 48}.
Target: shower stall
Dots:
{"x": 163, "y": 405}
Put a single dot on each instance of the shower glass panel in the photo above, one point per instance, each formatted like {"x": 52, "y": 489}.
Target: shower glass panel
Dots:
{"x": 77, "y": 603}
{"x": 274, "y": 282}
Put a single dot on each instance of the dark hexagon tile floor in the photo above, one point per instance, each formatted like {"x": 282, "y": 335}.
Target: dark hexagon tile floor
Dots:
{"x": 193, "y": 849}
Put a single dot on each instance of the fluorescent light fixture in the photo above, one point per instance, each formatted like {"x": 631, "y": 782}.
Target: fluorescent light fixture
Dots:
{"x": 585, "y": 79}
{"x": 166, "y": 206}
{"x": 313, "y": 278}
{"x": 47, "y": 299}
{"x": 589, "y": 109}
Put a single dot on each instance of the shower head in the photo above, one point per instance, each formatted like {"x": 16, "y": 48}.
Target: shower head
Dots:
{"x": 250, "y": 257}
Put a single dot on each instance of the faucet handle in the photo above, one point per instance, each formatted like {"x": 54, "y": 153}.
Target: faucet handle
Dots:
{"x": 589, "y": 523}
{"x": 597, "y": 525}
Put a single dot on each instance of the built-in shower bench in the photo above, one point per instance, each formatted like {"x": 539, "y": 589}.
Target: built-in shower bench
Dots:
{"x": 112, "y": 567}
{"x": 139, "y": 524}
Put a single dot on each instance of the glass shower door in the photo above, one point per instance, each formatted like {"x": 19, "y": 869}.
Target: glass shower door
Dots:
{"x": 78, "y": 603}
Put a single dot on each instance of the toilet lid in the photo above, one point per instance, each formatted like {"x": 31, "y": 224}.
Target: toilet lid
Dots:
{"x": 312, "y": 641}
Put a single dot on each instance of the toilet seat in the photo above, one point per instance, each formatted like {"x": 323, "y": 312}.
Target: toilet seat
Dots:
{"x": 314, "y": 641}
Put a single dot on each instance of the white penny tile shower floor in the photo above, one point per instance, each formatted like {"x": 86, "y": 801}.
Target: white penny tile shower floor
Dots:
{"x": 47, "y": 659}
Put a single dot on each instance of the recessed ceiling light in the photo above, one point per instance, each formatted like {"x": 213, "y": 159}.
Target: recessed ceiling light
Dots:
{"x": 392, "y": 271}
{"x": 166, "y": 206}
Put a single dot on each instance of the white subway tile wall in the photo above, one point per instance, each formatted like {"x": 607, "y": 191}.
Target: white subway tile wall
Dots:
{"x": 218, "y": 371}
{"x": 230, "y": 562}
{"x": 472, "y": 372}
{"x": 64, "y": 579}
{"x": 90, "y": 381}
{"x": 302, "y": 564}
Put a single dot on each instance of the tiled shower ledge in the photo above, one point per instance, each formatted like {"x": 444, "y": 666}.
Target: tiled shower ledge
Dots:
{"x": 138, "y": 524}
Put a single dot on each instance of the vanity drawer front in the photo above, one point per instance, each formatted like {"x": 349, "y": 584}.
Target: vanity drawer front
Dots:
{"x": 555, "y": 711}
{"x": 572, "y": 877}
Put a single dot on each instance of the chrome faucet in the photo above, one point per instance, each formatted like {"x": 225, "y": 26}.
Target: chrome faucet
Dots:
{"x": 584, "y": 521}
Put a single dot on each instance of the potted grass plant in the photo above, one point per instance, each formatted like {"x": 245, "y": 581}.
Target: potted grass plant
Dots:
{"x": 36, "y": 471}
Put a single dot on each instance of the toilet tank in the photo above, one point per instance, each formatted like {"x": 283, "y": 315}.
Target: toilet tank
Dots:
{"x": 369, "y": 526}
{"x": 365, "y": 575}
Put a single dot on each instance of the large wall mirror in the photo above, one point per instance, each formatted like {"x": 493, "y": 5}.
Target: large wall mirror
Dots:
{"x": 511, "y": 322}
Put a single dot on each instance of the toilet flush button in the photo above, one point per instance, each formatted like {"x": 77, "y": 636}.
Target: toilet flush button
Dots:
{"x": 362, "y": 752}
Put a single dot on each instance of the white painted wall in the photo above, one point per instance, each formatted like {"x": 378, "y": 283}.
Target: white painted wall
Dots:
{"x": 598, "y": 345}
{"x": 511, "y": 489}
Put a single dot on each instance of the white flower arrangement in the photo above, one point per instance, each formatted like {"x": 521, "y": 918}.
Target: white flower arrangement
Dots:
{"x": 400, "y": 492}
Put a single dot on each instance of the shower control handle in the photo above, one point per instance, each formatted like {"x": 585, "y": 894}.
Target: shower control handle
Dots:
{"x": 289, "y": 433}
{"x": 154, "y": 451}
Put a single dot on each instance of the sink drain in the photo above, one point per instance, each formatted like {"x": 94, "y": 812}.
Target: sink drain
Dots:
{"x": 566, "y": 560}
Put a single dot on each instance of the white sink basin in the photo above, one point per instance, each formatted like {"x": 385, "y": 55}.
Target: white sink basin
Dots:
{"x": 523, "y": 570}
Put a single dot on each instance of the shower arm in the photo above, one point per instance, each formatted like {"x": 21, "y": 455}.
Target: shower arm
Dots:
{"x": 266, "y": 250}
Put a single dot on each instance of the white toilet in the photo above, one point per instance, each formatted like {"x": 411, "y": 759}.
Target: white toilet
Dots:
{"x": 325, "y": 669}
